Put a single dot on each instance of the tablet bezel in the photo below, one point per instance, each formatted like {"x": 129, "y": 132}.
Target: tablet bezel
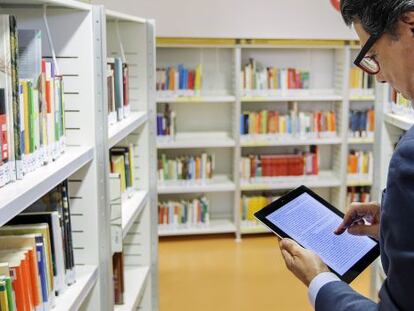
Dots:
{"x": 356, "y": 269}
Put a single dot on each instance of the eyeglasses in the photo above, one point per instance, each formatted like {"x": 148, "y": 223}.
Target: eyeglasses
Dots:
{"x": 368, "y": 63}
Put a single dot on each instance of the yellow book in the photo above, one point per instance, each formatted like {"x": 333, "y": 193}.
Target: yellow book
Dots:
{"x": 118, "y": 166}
{"x": 4, "y": 305}
{"x": 25, "y": 91}
{"x": 197, "y": 84}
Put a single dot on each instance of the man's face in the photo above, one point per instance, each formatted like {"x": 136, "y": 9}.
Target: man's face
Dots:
{"x": 395, "y": 56}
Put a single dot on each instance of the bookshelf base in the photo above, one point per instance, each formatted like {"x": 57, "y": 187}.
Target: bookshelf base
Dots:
{"x": 215, "y": 227}
{"x": 135, "y": 282}
{"x": 75, "y": 295}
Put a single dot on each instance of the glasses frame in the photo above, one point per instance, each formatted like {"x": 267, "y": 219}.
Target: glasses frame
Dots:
{"x": 362, "y": 54}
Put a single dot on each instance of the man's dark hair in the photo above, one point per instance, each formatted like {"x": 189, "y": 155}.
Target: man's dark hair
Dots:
{"x": 376, "y": 16}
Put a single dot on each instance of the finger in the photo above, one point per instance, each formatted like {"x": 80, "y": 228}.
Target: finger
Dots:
{"x": 355, "y": 213}
{"x": 288, "y": 259}
{"x": 290, "y": 246}
{"x": 362, "y": 230}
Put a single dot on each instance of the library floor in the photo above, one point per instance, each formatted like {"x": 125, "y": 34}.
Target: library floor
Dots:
{"x": 216, "y": 273}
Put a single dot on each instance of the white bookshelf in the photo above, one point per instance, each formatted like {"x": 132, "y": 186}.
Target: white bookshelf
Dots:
{"x": 73, "y": 298}
{"x": 219, "y": 183}
{"x": 400, "y": 121}
{"x": 214, "y": 227}
{"x": 81, "y": 36}
{"x": 135, "y": 282}
{"x": 132, "y": 38}
{"x": 119, "y": 130}
{"x": 132, "y": 208}
{"x": 207, "y": 114}
{"x": 16, "y": 196}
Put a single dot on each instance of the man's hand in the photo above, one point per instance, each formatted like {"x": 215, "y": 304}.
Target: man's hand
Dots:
{"x": 361, "y": 219}
{"x": 303, "y": 263}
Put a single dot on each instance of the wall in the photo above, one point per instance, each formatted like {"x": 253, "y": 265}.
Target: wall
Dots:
{"x": 304, "y": 19}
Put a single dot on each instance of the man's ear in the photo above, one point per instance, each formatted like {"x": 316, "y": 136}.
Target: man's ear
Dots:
{"x": 407, "y": 20}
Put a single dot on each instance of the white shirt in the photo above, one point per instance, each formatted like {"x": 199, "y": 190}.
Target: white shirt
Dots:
{"x": 317, "y": 283}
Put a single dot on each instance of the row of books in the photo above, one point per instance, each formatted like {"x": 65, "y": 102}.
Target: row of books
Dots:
{"x": 301, "y": 163}
{"x": 359, "y": 79}
{"x": 179, "y": 78}
{"x": 117, "y": 77}
{"x": 32, "y": 110}
{"x": 166, "y": 122}
{"x": 186, "y": 168}
{"x": 361, "y": 123}
{"x": 400, "y": 105}
{"x": 122, "y": 166}
{"x": 360, "y": 163}
{"x": 358, "y": 194}
{"x": 294, "y": 124}
{"x": 255, "y": 76}
{"x": 251, "y": 204}
{"x": 36, "y": 254}
{"x": 185, "y": 212}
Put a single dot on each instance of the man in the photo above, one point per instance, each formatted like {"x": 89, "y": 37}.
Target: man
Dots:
{"x": 386, "y": 32}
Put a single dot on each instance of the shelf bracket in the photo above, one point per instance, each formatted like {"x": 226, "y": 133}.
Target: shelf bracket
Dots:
{"x": 121, "y": 46}
{"x": 50, "y": 40}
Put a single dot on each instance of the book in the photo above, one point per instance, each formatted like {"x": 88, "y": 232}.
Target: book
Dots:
{"x": 179, "y": 79}
{"x": 53, "y": 209}
{"x": 42, "y": 229}
{"x": 359, "y": 79}
{"x": 301, "y": 163}
{"x": 119, "y": 89}
{"x": 186, "y": 167}
{"x": 118, "y": 275}
{"x": 251, "y": 204}
{"x": 295, "y": 124}
{"x": 126, "y": 167}
{"x": 361, "y": 123}
{"x": 184, "y": 212}
{"x": 257, "y": 77}
{"x": 110, "y": 80}
{"x": 360, "y": 165}
{"x": 166, "y": 122}
{"x": 358, "y": 194}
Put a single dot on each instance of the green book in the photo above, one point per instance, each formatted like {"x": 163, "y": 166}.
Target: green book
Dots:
{"x": 9, "y": 292}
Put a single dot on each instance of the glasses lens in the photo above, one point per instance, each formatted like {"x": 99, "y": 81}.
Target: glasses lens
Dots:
{"x": 369, "y": 64}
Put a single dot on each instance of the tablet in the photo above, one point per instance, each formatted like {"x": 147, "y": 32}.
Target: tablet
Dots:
{"x": 305, "y": 217}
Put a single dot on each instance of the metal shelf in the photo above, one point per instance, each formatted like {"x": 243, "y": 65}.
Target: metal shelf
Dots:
{"x": 121, "y": 129}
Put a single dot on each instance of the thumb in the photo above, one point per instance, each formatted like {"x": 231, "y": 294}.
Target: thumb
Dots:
{"x": 290, "y": 246}
{"x": 361, "y": 230}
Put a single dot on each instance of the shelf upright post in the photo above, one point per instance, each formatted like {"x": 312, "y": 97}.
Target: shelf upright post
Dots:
{"x": 237, "y": 149}
{"x": 152, "y": 112}
{"x": 102, "y": 162}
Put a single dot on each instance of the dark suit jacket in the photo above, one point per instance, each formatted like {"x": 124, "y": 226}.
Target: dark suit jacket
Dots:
{"x": 396, "y": 243}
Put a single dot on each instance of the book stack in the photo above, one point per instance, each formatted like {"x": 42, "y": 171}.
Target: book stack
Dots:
{"x": 361, "y": 123}
{"x": 179, "y": 80}
{"x": 360, "y": 165}
{"x": 117, "y": 77}
{"x": 303, "y": 163}
{"x": 251, "y": 204}
{"x": 32, "y": 111}
{"x": 189, "y": 168}
{"x": 122, "y": 167}
{"x": 358, "y": 194}
{"x": 36, "y": 254}
{"x": 293, "y": 125}
{"x": 256, "y": 77}
{"x": 358, "y": 79}
{"x": 190, "y": 213}
{"x": 166, "y": 122}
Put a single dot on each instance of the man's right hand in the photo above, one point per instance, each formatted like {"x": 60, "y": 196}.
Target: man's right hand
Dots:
{"x": 361, "y": 219}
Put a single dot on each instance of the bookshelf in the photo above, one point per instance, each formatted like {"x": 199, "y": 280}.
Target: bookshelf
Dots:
{"x": 82, "y": 37}
{"x": 210, "y": 121}
{"x": 132, "y": 39}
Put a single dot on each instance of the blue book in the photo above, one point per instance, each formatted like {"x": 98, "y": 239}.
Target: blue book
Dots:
{"x": 242, "y": 129}
{"x": 41, "y": 262}
{"x": 180, "y": 77}
{"x": 363, "y": 121}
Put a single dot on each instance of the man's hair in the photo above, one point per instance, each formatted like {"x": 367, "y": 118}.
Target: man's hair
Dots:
{"x": 375, "y": 16}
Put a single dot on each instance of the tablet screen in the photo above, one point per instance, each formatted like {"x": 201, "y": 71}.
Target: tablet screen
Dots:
{"x": 311, "y": 224}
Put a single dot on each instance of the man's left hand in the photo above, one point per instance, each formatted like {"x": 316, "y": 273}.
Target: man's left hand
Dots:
{"x": 303, "y": 263}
